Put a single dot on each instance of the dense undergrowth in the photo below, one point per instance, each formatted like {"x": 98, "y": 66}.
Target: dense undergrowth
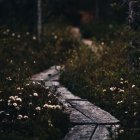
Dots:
{"x": 27, "y": 110}
{"x": 111, "y": 81}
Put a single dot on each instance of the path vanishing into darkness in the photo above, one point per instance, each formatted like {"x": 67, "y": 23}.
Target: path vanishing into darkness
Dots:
{"x": 89, "y": 121}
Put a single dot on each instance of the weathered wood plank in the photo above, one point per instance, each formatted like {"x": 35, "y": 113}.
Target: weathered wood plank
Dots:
{"x": 101, "y": 133}
{"x": 52, "y": 73}
{"x": 80, "y": 132}
{"x": 81, "y": 111}
{"x": 51, "y": 83}
{"x": 62, "y": 91}
{"x": 77, "y": 117}
{"x": 95, "y": 113}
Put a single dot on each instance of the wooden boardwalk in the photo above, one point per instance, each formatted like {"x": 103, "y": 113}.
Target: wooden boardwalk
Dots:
{"x": 89, "y": 121}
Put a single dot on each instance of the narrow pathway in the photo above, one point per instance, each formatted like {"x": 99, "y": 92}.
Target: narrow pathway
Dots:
{"x": 92, "y": 45}
{"x": 89, "y": 121}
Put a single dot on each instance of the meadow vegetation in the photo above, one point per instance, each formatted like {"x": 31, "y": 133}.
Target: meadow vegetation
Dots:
{"x": 27, "y": 109}
{"x": 110, "y": 79}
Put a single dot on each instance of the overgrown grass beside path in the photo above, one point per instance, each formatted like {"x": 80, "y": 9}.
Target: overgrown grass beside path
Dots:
{"x": 27, "y": 110}
{"x": 111, "y": 81}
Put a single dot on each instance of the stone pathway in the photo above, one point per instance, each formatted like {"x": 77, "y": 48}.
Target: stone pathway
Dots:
{"x": 89, "y": 121}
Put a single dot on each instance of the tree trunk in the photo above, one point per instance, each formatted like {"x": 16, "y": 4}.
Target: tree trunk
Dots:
{"x": 97, "y": 10}
{"x": 134, "y": 21}
{"x": 134, "y": 14}
{"x": 39, "y": 20}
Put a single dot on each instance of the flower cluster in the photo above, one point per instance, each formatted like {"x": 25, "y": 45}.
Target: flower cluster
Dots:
{"x": 19, "y": 117}
{"x": 52, "y": 106}
{"x": 15, "y": 101}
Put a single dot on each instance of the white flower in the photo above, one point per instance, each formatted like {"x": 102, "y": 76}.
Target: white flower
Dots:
{"x": 25, "y": 117}
{"x": 119, "y": 102}
{"x": 38, "y": 108}
{"x": 48, "y": 106}
{"x": 125, "y": 81}
{"x": 27, "y": 33}
{"x": 58, "y": 106}
{"x": 52, "y": 106}
{"x": 11, "y": 61}
{"x": 34, "y": 37}
{"x": 15, "y": 104}
{"x": 55, "y": 37}
{"x": 12, "y": 98}
{"x": 17, "y": 108}
{"x": 13, "y": 34}
{"x": 111, "y": 41}
{"x": 110, "y": 26}
{"x": 135, "y": 113}
{"x": 7, "y": 114}
{"x": 9, "y": 101}
{"x": 8, "y": 78}
{"x": 38, "y": 83}
{"x": 19, "y": 99}
{"x": 18, "y": 36}
{"x": 9, "y": 104}
{"x": 50, "y": 94}
{"x": 2, "y": 112}
{"x": 104, "y": 90}
{"x": 133, "y": 86}
{"x": 34, "y": 82}
{"x": 16, "y": 97}
{"x": 112, "y": 88}
{"x": 35, "y": 94}
{"x": 47, "y": 87}
{"x": 121, "y": 82}
{"x": 121, "y": 79}
{"x": 50, "y": 123}
{"x": 19, "y": 117}
{"x": 45, "y": 105}
{"x": 102, "y": 43}
{"x": 121, "y": 90}
{"x": 18, "y": 88}
{"x": 30, "y": 103}
{"x": 121, "y": 131}
{"x": 8, "y": 30}
{"x": 27, "y": 84}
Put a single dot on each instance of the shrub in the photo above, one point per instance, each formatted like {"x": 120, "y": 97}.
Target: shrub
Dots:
{"x": 110, "y": 81}
{"x": 27, "y": 110}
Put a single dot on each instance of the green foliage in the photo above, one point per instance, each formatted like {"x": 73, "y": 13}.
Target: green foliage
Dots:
{"x": 27, "y": 110}
{"x": 102, "y": 31}
{"x": 110, "y": 81}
